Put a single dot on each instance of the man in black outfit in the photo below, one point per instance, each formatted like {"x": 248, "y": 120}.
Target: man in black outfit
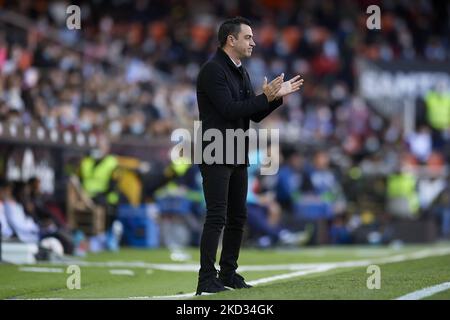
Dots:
{"x": 226, "y": 101}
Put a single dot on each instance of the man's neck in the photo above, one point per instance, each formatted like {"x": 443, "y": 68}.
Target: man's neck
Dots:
{"x": 233, "y": 58}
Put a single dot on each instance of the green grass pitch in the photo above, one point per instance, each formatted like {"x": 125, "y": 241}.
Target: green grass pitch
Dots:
{"x": 152, "y": 274}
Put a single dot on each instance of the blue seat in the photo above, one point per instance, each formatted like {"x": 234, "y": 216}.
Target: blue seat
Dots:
{"x": 140, "y": 228}
{"x": 313, "y": 210}
{"x": 174, "y": 205}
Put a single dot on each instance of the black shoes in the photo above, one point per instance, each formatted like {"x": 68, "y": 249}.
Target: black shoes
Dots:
{"x": 223, "y": 283}
{"x": 212, "y": 285}
{"x": 235, "y": 281}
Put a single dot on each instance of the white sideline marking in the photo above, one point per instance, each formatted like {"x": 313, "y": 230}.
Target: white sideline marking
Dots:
{"x": 175, "y": 296}
{"x": 43, "y": 299}
{"x": 308, "y": 268}
{"x": 290, "y": 275}
{"x": 276, "y": 267}
{"x": 40, "y": 269}
{"x": 253, "y": 283}
{"x": 425, "y": 292}
{"x": 121, "y": 272}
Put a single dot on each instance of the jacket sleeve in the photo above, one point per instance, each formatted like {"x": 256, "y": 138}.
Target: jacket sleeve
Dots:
{"x": 257, "y": 117}
{"x": 213, "y": 82}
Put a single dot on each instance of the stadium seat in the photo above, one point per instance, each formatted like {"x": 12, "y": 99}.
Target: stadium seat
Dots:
{"x": 140, "y": 228}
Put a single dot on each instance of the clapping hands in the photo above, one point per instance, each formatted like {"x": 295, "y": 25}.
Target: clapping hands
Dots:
{"x": 277, "y": 88}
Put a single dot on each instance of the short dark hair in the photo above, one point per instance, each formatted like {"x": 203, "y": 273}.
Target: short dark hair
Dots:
{"x": 231, "y": 26}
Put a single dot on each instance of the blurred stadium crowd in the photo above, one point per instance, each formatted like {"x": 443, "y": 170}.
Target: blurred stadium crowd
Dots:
{"x": 131, "y": 70}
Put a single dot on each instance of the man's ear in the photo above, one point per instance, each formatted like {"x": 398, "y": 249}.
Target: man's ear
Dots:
{"x": 231, "y": 37}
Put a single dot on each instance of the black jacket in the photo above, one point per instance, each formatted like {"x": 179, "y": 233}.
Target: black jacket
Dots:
{"x": 226, "y": 100}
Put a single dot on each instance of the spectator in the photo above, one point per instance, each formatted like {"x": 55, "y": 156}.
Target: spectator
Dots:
{"x": 26, "y": 229}
{"x": 322, "y": 195}
{"x": 265, "y": 214}
{"x": 6, "y": 231}
{"x": 289, "y": 180}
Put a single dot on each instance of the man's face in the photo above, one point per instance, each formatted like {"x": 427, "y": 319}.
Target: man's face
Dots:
{"x": 322, "y": 161}
{"x": 244, "y": 43}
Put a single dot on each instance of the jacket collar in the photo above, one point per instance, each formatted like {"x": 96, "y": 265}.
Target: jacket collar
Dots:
{"x": 224, "y": 57}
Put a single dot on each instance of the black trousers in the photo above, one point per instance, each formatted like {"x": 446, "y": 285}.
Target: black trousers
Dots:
{"x": 225, "y": 190}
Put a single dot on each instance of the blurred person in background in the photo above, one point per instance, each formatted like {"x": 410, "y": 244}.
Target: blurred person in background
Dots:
{"x": 6, "y": 230}
{"x": 322, "y": 196}
{"x": 401, "y": 190}
{"x": 265, "y": 215}
{"x": 97, "y": 175}
{"x": 442, "y": 211}
{"x": 50, "y": 221}
{"x": 289, "y": 179}
{"x": 438, "y": 114}
{"x": 180, "y": 203}
{"x": 24, "y": 227}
